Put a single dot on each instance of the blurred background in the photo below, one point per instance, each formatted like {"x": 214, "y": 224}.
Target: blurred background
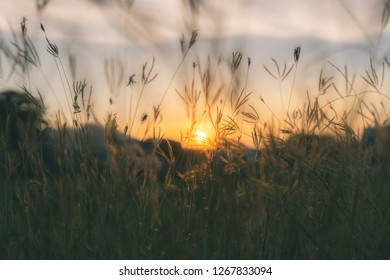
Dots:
{"x": 106, "y": 42}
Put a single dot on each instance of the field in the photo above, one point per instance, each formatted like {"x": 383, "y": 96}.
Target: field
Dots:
{"x": 307, "y": 188}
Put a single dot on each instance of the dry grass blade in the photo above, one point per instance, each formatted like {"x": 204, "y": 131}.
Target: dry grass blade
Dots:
{"x": 33, "y": 100}
{"x": 131, "y": 80}
{"x": 230, "y": 125}
{"x": 277, "y": 66}
{"x": 114, "y": 74}
{"x": 170, "y": 158}
{"x": 78, "y": 90}
{"x": 236, "y": 61}
{"x": 253, "y": 117}
{"x": 269, "y": 72}
{"x": 41, "y": 4}
{"x": 373, "y": 71}
{"x": 51, "y": 48}
{"x": 368, "y": 80}
{"x": 281, "y": 75}
{"x": 257, "y": 138}
{"x": 383, "y": 74}
{"x": 194, "y": 35}
{"x": 297, "y": 53}
{"x": 147, "y": 75}
{"x": 111, "y": 126}
{"x": 144, "y": 117}
{"x": 184, "y": 99}
{"x": 285, "y": 74}
{"x": 349, "y": 83}
{"x": 242, "y": 100}
{"x": 217, "y": 96}
{"x": 385, "y": 14}
{"x": 25, "y": 54}
{"x": 324, "y": 84}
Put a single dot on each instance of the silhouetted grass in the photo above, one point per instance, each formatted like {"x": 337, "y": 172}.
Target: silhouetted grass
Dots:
{"x": 306, "y": 191}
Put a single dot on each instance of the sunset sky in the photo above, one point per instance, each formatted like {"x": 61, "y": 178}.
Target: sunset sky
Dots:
{"x": 341, "y": 32}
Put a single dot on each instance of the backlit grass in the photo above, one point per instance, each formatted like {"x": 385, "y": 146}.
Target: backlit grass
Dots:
{"x": 306, "y": 188}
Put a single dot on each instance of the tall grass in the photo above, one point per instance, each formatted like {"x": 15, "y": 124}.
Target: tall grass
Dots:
{"x": 306, "y": 191}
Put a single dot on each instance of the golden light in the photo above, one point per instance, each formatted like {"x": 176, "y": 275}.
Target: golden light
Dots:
{"x": 200, "y": 137}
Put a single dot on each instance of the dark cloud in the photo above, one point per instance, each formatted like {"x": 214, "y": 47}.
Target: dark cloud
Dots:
{"x": 124, "y": 3}
{"x": 99, "y": 1}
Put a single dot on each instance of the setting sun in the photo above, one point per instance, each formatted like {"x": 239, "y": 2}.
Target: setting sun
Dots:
{"x": 200, "y": 136}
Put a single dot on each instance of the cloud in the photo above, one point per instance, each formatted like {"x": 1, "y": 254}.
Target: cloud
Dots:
{"x": 96, "y": 29}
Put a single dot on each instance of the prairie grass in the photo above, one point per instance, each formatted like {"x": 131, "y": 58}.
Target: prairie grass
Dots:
{"x": 305, "y": 191}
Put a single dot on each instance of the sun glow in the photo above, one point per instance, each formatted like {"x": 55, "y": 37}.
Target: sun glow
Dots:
{"x": 200, "y": 137}
{"x": 197, "y": 139}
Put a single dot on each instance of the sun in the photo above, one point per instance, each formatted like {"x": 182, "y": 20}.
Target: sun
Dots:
{"x": 200, "y": 137}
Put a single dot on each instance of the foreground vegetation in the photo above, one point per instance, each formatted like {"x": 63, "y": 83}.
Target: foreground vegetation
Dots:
{"x": 310, "y": 192}
{"x": 292, "y": 204}
{"x": 308, "y": 196}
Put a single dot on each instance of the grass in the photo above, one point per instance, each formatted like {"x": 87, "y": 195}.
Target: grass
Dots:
{"x": 307, "y": 192}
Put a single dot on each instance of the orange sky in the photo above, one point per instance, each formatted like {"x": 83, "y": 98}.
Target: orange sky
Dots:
{"x": 341, "y": 32}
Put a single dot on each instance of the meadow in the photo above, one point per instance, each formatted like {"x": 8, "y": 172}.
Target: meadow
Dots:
{"x": 307, "y": 188}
